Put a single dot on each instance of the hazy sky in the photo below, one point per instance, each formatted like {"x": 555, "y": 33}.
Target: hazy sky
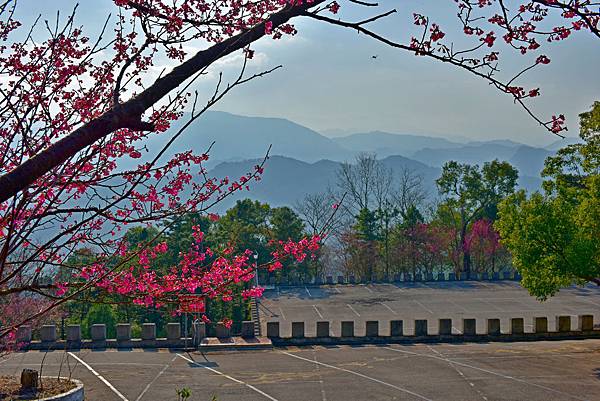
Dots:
{"x": 330, "y": 80}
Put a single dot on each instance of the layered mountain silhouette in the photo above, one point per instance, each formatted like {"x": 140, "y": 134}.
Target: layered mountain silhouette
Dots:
{"x": 304, "y": 161}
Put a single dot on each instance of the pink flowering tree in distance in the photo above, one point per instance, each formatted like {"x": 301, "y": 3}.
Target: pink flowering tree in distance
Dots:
{"x": 75, "y": 111}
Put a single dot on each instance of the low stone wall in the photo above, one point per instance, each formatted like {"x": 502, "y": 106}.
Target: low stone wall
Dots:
{"x": 422, "y": 332}
{"x": 73, "y": 340}
{"x": 401, "y": 278}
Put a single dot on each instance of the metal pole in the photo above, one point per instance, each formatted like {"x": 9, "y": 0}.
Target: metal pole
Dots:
{"x": 185, "y": 331}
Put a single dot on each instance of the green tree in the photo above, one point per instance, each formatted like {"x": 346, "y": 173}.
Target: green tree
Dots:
{"x": 472, "y": 192}
{"x": 554, "y": 237}
{"x": 101, "y": 314}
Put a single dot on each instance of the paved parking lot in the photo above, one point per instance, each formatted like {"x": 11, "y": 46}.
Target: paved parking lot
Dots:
{"x": 544, "y": 371}
{"x": 410, "y": 301}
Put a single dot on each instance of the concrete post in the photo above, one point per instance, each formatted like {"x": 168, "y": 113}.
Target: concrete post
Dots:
{"x": 340, "y": 279}
{"x": 74, "y": 333}
{"x": 347, "y": 329}
{"x": 148, "y": 331}
{"x": 322, "y": 329}
{"x": 495, "y": 276}
{"x": 48, "y": 333}
{"x": 396, "y": 328}
{"x": 173, "y": 331}
{"x": 24, "y": 334}
{"x": 540, "y": 324}
{"x": 563, "y": 324}
{"x": 493, "y": 327}
{"x": 372, "y": 328}
{"x": 469, "y": 327}
{"x": 585, "y": 322}
{"x": 330, "y": 280}
{"x": 518, "y": 276}
{"x": 298, "y": 329}
{"x": 273, "y": 329}
{"x": 396, "y": 277}
{"x": 485, "y": 276}
{"x": 445, "y": 327}
{"x": 247, "y": 329}
{"x": 98, "y": 332}
{"x": 123, "y": 332}
{"x": 517, "y": 325}
{"x": 222, "y": 331}
{"x": 198, "y": 330}
{"x": 441, "y": 277}
{"x": 421, "y": 327}
{"x": 451, "y": 276}
{"x": 352, "y": 280}
{"x": 507, "y": 276}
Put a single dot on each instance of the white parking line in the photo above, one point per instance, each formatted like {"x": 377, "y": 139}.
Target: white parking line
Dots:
{"x": 154, "y": 380}
{"x": 359, "y": 375}
{"x": 485, "y": 371}
{"x": 88, "y": 367}
{"x": 337, "y": 290}
{"x": 423, "y": 306}
{"x": 388, "y": 308}
{"x": 229, "y": 377}
{"x": 307, "y": 291}
{"x": 318, "y": 313}
{"x": 367, "y": 287}
{"x": 282, "y": 314}
{"x": 352, "y": 309}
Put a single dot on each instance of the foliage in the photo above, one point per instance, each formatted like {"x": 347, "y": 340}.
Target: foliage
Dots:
{"x": 553, "y": 237}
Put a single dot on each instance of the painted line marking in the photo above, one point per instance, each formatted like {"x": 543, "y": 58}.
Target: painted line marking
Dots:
{"x": 352, "y": 309}
{"x": 102, "y": 379}
{"x": 250, "y": 386}
{"x": 388, "y": 308}
{"x": 423, "y": 306}
{"x": 307, "y": 291}
{"x": 359, "y": 375}
{"x": 154, "y": 380}
{"x": 337, "y": 290}
{"x": 318, "y": 313}
{"x": 6, "y": 359}
{"x": 282, "y": 314}
{"x": 367, "y": 287}
{"x": 486, "y": 371}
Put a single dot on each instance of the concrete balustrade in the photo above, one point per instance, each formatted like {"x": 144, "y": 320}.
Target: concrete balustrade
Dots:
{"x": 98, "y": 332}
{"x": 445, "y": 327}
{"x": 517, "y": 326}
{"x": 372, "y": 328}
{"x": 495, "y": 276}
{"x": 429, "y": 277}
{"x": 421, "y": 327}
{"x": 418, "y": 277}
{"x": 485, "y": 276}
{"x": 396, "y": 277}
{"x": 173, "y": 331}
{"x": 297, "y": 329}
{"x": 540, "y": 324}
{"x": 407, "y": 277}
{"x": 352, "y": 280}
{"x": 48, "y": 333}
{"x": 441, "y": 277}
{"x": 330, "y": 280}
{"x": 396, "y": 328}
{"x": 452, "y": 276}
{"x": 322, "y": 329}
{"x": 585, "y": 323}
{"x": 149, "y": 331}
{"x": 198, "y": 331}
{"x": 340, "y": 280}
{"x": 24, "y": 334}
{"x": 123, "y": 332}
{"x": 507, "y": 275}
{"x": 347, "y": 328}
{"x": 469, "y": 327}
{"x": 273, "y": 329}
{"x": 563, "y": 324}
{"x": 493, "y": 327}
{"x": 74, "y": 333}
